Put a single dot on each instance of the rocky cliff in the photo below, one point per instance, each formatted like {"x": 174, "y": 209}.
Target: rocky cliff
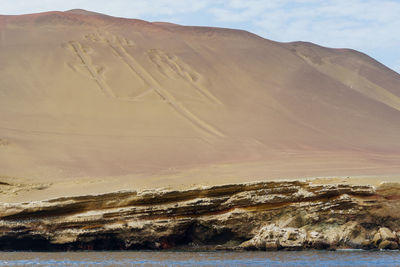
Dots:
{"x": 289, "y": 215}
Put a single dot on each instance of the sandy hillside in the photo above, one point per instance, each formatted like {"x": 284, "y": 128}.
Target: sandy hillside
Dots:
{"x": 90, "y": 102}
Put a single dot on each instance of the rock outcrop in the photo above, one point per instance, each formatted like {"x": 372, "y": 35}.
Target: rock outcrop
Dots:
{"x": 290, "y": 215}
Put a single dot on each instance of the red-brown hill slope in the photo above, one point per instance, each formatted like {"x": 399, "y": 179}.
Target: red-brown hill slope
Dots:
{"x": 88, "y": 95}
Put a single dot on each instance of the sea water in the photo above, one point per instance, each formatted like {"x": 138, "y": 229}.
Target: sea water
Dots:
{"x": 176, "y": 258}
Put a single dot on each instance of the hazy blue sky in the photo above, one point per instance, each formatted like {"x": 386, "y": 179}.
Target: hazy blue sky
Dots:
{"x": 371, "y": 26}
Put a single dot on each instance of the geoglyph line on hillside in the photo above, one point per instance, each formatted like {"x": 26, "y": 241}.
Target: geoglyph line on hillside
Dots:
{"x": 163, "y": 93}
{"x": 123, "y": 58}
{"x": 77, "y": 48}
{"x": 117, "y": 46}
{"x": 80, "y": 51}
{"x": 165, "y": 61}
{"x": 207, "y": 94}
{"x": 145, "y": 93}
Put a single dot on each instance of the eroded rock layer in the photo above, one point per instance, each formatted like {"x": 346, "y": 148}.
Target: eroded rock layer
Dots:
{"x": 261, "y": 216}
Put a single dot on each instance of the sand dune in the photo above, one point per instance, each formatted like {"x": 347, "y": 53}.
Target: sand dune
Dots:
{"x": 113, "y": 103}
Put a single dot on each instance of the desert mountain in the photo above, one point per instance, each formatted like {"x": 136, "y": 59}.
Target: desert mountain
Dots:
{"x": 89, "y": 96}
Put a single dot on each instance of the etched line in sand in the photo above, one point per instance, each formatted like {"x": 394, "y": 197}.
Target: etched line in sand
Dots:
{"x": 119, "y": 52}
{"x": 163, "y": 93}
{"x": 106, "y": 39}
{"x": 117, "y": 45}
{"x": 167, "y": 63}
{"x": 142, "y": 95}
{"x": 94, "y": 73}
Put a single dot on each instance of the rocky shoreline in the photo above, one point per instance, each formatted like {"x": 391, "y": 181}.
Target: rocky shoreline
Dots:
{"x": 280, "y": 215}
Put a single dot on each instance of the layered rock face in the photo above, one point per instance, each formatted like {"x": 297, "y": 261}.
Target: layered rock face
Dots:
{"x": 288, "y": 215}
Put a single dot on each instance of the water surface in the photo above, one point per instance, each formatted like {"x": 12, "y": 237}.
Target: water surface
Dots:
{"x": 280, "y": 258}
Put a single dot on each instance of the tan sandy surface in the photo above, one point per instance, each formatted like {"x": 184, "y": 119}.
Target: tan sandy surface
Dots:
{"x": 91, "y": 103}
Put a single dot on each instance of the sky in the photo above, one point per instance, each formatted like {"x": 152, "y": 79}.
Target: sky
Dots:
{"x": 370, "y": 26}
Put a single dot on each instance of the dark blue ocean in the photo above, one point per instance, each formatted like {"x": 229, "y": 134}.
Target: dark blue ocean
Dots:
{"x": 281, "y": 258}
